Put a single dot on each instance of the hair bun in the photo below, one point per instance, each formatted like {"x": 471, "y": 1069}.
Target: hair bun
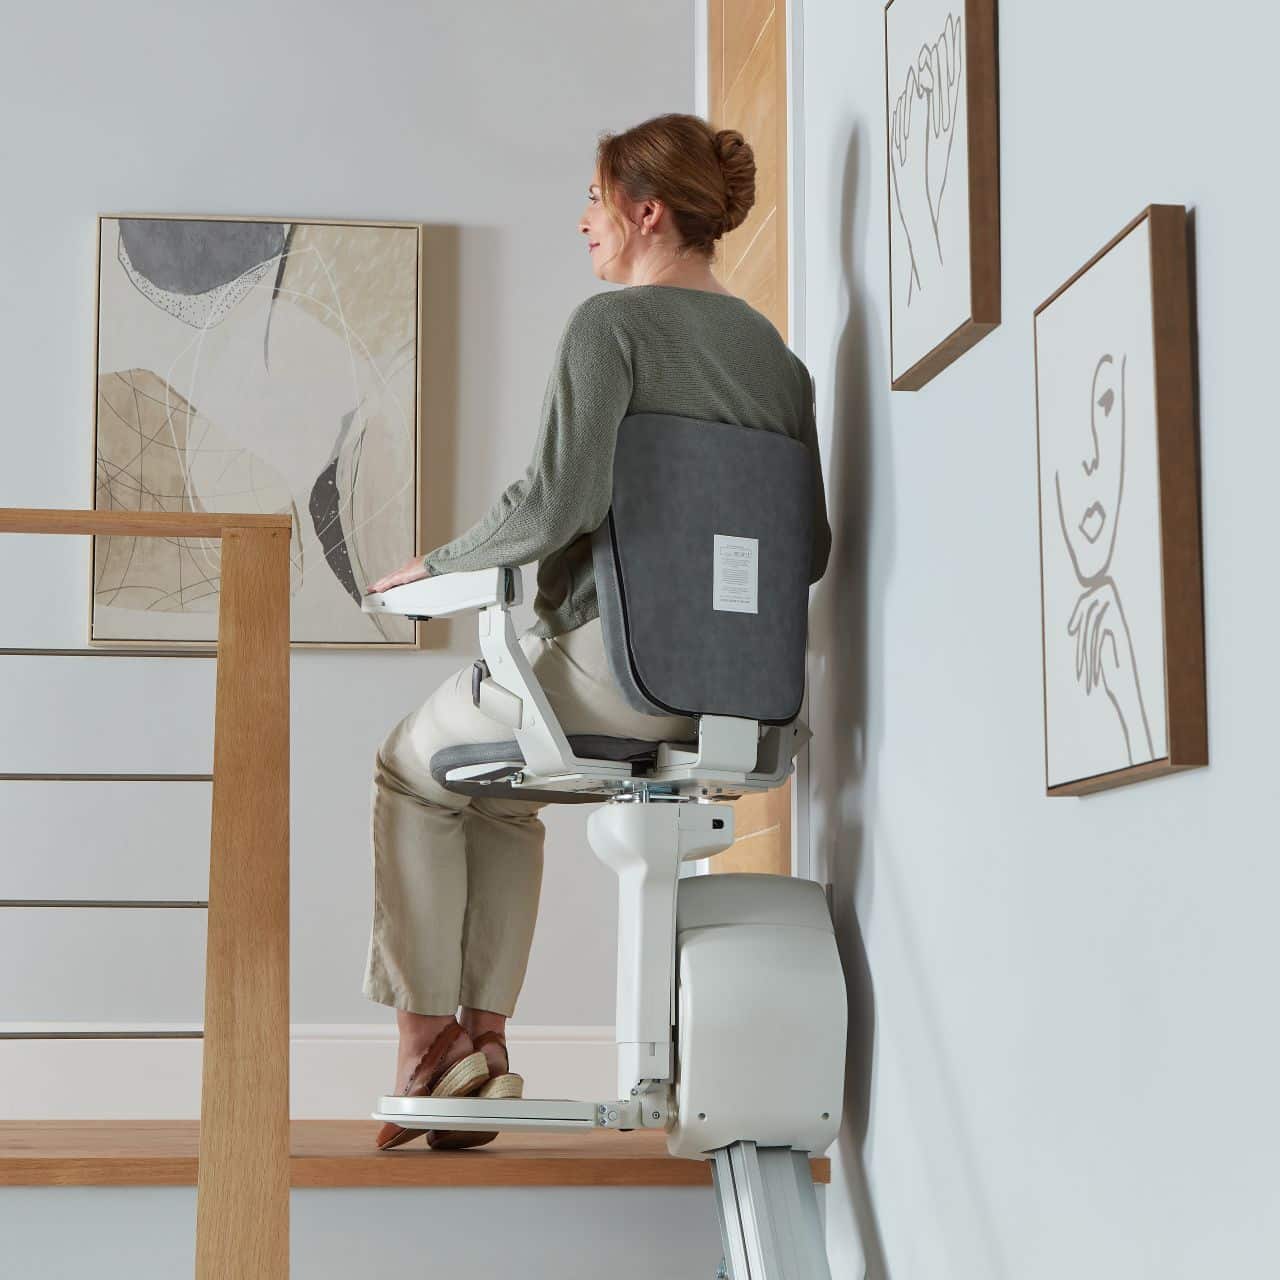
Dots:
{"x": 738, "y": 165}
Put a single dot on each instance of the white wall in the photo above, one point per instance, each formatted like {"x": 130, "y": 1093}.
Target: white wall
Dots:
{"x": 479, "y": 120}
{"x": 386, "y": 1233}
{"x": 1064, "y": 1048}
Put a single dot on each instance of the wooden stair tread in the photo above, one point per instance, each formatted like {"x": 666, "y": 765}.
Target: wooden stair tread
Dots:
{"x": 340, "y": 1153}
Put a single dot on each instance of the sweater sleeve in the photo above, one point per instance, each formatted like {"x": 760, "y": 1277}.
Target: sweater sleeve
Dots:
{"x": 567, "y": 486}
{"x": 821, "y": 528}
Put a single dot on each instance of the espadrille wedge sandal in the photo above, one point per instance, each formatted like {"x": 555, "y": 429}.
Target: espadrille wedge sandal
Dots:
{"x": 501, "y": 1084}
{"x": 430, "y": 1079}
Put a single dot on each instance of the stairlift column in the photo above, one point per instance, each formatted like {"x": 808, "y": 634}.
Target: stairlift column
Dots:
{"x": 644, "y": 841}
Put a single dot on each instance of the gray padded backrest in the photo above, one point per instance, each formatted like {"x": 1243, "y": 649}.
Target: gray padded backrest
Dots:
{"x": 680, "y": 633}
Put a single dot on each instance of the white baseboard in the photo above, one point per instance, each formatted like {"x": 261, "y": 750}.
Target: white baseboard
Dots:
{"x": 336, "y": 1070}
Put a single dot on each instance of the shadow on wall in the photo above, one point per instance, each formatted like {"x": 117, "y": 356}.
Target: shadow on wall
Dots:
{"x": 849, "y": 670}
{"x": 845, "y": 790}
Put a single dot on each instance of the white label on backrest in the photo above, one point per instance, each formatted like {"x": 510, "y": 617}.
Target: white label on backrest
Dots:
{"x": 734, "y": 581}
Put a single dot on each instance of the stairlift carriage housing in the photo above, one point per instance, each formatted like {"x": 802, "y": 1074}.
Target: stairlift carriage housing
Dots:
{"x": 731, "y": 1005}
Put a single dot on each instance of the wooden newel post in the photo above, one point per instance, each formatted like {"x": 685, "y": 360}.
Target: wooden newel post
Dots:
{"x": 242, "y": 1201}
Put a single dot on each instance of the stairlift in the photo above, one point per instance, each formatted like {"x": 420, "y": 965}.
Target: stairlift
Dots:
{"x": 731, "y": 1004}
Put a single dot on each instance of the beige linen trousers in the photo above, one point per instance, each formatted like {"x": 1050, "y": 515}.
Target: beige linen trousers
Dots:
{"x": 456, "y": 878}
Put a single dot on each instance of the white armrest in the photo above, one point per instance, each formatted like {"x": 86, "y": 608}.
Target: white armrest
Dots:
{"x": 443, "y": 594}
{"x": 513, "y": 697}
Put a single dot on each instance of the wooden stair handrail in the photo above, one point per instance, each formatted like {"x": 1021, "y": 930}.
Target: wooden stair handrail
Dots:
{"x": 242, "y": 1191}
{"x": 153, "y": 524}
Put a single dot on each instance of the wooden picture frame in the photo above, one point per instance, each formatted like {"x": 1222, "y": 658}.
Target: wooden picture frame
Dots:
{"x": 1130, "y": 304}
{"x": 928, "y": 252}
{"x": 317, "y": 548}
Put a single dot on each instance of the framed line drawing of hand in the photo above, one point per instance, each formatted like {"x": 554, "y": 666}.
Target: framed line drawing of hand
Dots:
{"x": 941, "y": 141}
{"x": 1120, "y": 569}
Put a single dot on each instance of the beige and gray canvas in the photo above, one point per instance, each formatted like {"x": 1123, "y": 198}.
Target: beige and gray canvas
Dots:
{"x": 256, "y": 367}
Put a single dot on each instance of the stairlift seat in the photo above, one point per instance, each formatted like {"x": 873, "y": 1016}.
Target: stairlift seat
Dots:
{"x": 702, "y": 573}
{"x": 508, "y": 760}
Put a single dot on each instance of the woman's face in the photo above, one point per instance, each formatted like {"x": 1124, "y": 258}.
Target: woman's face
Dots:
{"x": 608, "y": 245}
{"x": 1090, "y": 484}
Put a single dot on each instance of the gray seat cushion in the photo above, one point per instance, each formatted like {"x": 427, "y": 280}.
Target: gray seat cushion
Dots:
{"x": 641, "y": 754}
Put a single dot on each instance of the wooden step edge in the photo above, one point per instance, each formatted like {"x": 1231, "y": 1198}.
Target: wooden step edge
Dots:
{"x": 340, "y": 1153}
{"x": 97, "y": 1171}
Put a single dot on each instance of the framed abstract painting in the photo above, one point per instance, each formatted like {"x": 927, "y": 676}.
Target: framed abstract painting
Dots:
{"x": 943, "y": 158}
{"x": 1120, "y": 565}
{"x": 257, "y": 365}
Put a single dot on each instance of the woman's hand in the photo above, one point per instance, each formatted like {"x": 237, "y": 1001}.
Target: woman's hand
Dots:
{"x": 411, "y": 571}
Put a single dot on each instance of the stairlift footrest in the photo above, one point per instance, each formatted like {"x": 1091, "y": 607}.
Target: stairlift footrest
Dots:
{"x": 520, "y": 1113}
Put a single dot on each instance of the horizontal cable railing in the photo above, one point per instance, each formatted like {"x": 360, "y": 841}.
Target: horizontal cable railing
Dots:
{"x": 40, "y": 1031}
{"x": 106, "y": 653}
{"x": 106, "y": 777}
{"x": 99, "y": 902}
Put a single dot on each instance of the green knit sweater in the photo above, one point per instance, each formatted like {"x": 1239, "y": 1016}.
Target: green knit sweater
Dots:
{"x": 640, "y": 349}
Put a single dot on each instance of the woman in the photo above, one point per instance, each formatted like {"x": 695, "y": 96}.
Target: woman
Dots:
{"x": 456, "y": 879}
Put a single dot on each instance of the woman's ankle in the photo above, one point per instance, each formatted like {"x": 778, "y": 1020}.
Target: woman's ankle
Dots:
{"x": 420, "y": 1029}
{"x": 418, "y": 1032}
{"x": 475, "y": 1021}
{"x": 478, "y": 1021}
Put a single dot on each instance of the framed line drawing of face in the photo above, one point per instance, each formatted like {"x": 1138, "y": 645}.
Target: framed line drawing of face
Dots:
{"x": 1120, "y": 566}
{"x": 257, "y": 365}
{"x": 942, "y": 151}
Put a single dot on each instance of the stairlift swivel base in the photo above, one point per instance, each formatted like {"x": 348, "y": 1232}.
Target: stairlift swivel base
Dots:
{"x": 643, "y": 841}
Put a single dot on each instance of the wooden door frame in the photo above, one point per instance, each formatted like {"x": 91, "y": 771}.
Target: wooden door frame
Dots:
{"x": 802, "y": 862}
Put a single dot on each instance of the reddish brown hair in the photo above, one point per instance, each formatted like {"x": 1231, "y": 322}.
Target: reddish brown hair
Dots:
{"x": 706, "y": 177}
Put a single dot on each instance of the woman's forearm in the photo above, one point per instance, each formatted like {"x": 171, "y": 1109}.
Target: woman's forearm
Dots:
{"x": 567, "y": 487}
